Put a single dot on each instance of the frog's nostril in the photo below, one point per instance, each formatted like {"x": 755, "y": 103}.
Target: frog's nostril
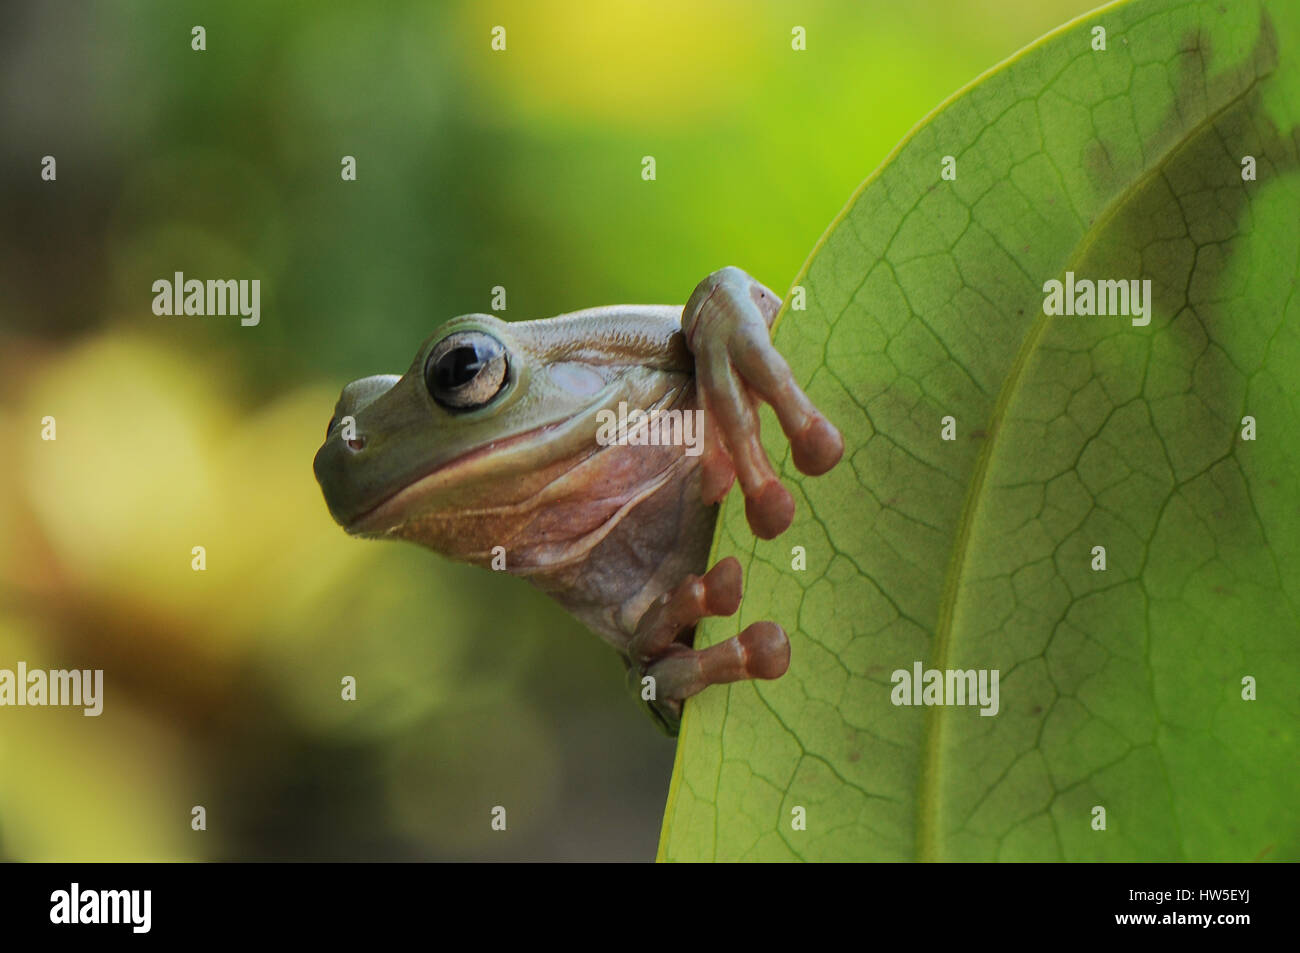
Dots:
{"x": 356, "y": 443}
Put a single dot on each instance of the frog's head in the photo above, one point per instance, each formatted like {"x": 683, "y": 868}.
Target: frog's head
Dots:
{"x": 489, "y": 413}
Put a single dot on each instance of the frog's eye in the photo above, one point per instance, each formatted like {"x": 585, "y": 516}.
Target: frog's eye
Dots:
{"x": 466, "y": 370}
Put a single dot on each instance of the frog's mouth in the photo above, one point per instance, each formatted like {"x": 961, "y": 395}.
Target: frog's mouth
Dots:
{"x": 477, "y": 478}
{"x": 398, "y": 507}
{"x": 488, "y": 465}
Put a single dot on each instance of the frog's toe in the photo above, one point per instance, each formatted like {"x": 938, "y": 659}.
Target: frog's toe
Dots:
{"x": 731, "y": 413}
{"x": 815, "y": 444}
{"x": 765, "y": 650}
{"x": 817, "y": 447}
{"x": 770, "y": 510}
{"x": 762, "y": 650}
{"x": 723, "y": 587}
{"x": 716, "y": 472}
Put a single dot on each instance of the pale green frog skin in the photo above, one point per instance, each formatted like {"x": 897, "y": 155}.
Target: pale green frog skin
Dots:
{"x": 490, "y": 440}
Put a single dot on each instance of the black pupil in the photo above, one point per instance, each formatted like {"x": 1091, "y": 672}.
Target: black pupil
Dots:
{"x": 457, "y": 367}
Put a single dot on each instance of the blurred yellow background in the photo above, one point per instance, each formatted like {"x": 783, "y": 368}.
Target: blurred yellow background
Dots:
{"x": 475, "y": 169}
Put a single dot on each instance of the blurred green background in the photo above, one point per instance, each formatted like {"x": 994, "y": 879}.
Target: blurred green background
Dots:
{"x": 474, "y": 169}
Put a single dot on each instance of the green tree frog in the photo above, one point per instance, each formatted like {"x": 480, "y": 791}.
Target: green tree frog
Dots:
{"x": 495, "y": 448}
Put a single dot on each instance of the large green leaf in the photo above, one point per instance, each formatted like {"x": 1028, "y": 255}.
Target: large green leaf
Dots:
{"x": 1119, "y": 688}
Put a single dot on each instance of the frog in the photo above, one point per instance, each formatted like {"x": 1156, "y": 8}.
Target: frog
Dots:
{"x": 494, "y": 449}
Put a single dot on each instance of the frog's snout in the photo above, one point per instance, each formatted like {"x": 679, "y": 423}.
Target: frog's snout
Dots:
{"x": 331, "y": 466}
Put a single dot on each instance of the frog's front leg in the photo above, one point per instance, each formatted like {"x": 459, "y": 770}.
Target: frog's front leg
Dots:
{"x": 726, "y": 323}
{"x": 679, "y": 671}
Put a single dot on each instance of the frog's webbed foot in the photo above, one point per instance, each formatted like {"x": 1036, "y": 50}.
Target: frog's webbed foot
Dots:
{"x": 679, "y": 671}
{"x": 726, "y": 323}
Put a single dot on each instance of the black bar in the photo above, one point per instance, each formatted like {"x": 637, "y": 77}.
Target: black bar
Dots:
{"x": 331, "y": 901}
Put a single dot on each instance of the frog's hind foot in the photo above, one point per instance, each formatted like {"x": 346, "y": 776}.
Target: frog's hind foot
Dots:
{"x": 677, "y": 671}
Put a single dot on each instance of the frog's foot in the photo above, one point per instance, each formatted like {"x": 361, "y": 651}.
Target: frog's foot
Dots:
{"x": 679, "y": 671}
{"x": 726, "y": 322}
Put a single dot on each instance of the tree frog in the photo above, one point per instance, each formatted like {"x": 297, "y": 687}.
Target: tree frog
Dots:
{"x": 494, "y": 447}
